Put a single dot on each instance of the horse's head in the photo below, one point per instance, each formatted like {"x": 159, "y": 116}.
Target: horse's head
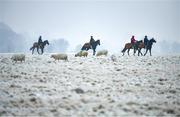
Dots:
{"x": 139, "y": 41}
{"x": 46, "y": 42}
{"x": 153, "y": 40}
{"x": 98, "y": 42}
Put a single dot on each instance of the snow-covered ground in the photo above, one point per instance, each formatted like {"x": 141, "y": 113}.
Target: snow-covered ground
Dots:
{"x": 92, "y": 86}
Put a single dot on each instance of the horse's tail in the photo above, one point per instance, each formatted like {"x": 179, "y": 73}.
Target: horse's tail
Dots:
{"x": 83, "y": 48}
{"x": 31, "y": 48}
{"x": 123, "y": 50}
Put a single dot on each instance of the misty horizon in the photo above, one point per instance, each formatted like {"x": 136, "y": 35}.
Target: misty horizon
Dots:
{"x": 112, "y": 22}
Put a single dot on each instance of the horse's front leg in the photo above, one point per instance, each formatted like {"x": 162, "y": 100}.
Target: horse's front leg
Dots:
{"x": 38, "y": 50}
{"x": 94, "y": 52}
{"x": 150, "y": 51}
{"x": 140, "y": 52}
{"x": 134, "y": 51}
{"x": 42, "y": 50}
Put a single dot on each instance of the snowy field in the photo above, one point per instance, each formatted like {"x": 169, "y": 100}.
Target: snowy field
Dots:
{"x": 92, "y": 86}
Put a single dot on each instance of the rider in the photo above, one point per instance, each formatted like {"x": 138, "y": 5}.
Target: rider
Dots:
{"x": 145, "y": 41}
{"x": 40, "y": 40}
{"x": 91, "y": 40}
{"x": 133, "y": 41}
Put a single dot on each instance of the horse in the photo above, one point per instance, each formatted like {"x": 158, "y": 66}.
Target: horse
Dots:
{"x": 86, "y": 46}
{"x": 91, "y": 45}
{"x": 140, "y": 46}
{"x": 149, "y": 46}
{"x": 129, "y": 46}
{"x": 41, "y": 46}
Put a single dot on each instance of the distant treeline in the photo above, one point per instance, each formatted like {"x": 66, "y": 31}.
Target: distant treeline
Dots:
{"x": 10, "y": 41}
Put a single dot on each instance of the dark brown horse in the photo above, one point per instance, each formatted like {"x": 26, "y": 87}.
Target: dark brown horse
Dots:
{"x": 86, "y": 46}
{"x": 140, "y": 46}
{"x": 91, "y": 45}
{"x": 39, "y": 46}
{"x": 129, "y": 46}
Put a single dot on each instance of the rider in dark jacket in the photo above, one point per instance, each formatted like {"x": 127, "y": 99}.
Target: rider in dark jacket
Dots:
{"x": 91, "y": 41}
{"x": 145, "y": 41}
{"x": 39, "y": 40}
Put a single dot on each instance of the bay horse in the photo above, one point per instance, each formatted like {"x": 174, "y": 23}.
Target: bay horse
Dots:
{"x": 129, "y": 46}
{"x": 91, "y": 45}
{"x": 140, "y": 46}
{"x": 39, "y": 46}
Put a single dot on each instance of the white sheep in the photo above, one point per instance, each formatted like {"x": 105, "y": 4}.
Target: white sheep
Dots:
{"x": 59, "y": 56}
{"x": 102, "y": 52}
{"x": 82, "y": 53}
{"x": 18, "y": 57}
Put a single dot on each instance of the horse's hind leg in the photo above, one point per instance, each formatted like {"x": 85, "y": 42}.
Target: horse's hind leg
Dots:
{"x": 128, "y": 51}
{"x": 32, "y": 50}
{"x": 145, "y": 52}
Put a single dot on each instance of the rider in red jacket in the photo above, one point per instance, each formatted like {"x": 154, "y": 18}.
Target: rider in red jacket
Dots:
{"x": 133, "y": 40}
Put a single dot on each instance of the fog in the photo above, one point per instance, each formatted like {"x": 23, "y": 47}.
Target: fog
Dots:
{"x": 69, "y": 24}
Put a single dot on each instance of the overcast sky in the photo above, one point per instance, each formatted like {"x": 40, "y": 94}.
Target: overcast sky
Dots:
{"x": 113, "y": 22}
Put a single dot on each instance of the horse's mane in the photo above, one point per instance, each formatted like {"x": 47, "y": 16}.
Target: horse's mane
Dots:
{"x": 140, "y": 41}
{"x": 45, "y": 41}
{"x": 152, "y": 40}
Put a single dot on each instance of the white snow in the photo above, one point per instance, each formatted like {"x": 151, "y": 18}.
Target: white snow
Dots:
{"x": 92, "y": 86}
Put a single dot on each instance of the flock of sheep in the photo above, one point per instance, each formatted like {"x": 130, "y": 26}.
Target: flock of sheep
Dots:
{"x": 21, "y": 57}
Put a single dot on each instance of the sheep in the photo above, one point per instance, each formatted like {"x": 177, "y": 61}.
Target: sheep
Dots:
{"x": 59, "y": 57}
{"x": 82, "y": 53}
{"x": 102, "y": 52}
{"x": 78, "y": 54}
{"x": 18, "y": 57}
